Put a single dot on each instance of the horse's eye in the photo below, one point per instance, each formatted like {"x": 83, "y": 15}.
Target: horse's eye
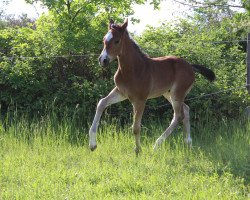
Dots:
{"x": 117, "y": 41}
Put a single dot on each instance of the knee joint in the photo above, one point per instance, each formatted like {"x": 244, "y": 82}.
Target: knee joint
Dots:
{"x": 136, "y": 129}
{"x": 102, "y": 104}
{"x": 179, "y": 118}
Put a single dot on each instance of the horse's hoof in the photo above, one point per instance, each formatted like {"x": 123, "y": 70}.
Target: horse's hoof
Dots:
{"x": 137, "y": 150}
{"x": 188, "y": 141}
{"x": 155, "y": 147}
{"x": 92, "y": 148}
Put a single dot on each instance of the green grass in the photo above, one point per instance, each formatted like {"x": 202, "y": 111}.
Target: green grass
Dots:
{"x": 50, "y": 160}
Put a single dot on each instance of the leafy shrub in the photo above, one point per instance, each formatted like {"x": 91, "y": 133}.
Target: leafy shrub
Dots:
{"x": 54, "y": 65}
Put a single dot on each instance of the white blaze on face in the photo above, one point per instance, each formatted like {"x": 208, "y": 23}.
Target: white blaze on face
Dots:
{"x": 108, "y": 36}
{"x": 104, "y": 55}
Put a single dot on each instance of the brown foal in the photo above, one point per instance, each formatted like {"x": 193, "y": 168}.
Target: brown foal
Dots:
{"x": 139, "y": 78}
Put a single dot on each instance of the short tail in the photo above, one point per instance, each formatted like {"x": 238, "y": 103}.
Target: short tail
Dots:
{"x": 207, "y": 73}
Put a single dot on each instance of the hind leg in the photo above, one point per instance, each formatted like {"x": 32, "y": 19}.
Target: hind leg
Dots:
{"x": 178, "y": 116}
{"x": 186, "y": 123}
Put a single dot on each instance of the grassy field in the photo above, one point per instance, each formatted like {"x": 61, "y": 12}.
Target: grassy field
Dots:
{"x": 50, "y": 160}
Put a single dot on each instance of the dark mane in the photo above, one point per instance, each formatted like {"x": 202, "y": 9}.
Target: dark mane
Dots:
{"x": 116, "y": 27}
{"x": 136, "y": 46}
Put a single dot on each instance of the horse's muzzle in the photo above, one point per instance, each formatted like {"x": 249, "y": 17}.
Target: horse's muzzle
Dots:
{"x": 104, "y": 61}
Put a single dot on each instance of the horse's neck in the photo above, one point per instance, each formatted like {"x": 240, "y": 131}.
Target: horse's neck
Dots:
{"x": 130, "y": 59}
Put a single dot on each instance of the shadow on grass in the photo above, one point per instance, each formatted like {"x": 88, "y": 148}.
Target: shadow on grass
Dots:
{"x": 227, "y": 144}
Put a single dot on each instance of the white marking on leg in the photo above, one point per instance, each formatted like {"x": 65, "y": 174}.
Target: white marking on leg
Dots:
{"x": 186, "y": 123}
{"x": 92, "y": 132}
{"x": 177, "y": 113}
{"x": 168, "y": 131}
{"x": 113, "y": 97}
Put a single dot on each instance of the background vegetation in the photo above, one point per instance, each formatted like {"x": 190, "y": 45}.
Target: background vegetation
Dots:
{"x": 53, "y": 60}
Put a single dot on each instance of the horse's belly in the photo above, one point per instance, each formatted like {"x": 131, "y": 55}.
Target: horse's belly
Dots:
{"x": 133, "y": 89}
{"x": 157, "y": 93}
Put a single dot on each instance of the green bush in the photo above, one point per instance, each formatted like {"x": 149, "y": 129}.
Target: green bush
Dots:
{"x": 52, "y": 64}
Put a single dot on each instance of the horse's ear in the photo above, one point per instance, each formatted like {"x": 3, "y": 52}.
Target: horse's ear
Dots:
{"x": 111, "y": 21}
{"x": 125, "y": 24}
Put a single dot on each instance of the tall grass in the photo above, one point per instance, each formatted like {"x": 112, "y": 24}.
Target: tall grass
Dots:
{"x": 48, "y": 158}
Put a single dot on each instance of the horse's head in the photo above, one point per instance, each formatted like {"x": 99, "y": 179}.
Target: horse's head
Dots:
{"x": 112, "y": 42}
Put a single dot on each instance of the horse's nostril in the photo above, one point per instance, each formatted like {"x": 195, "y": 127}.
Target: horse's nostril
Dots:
{"x": 106, "y": 61}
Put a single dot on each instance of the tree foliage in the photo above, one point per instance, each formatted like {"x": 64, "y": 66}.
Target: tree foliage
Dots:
{"x": 53, "y": 61}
